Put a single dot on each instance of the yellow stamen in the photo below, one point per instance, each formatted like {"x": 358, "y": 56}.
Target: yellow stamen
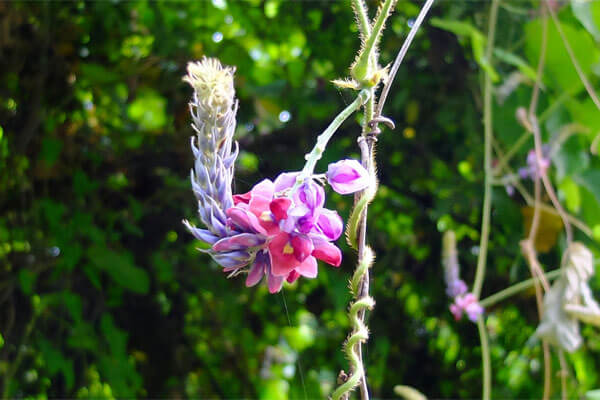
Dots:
{"x": 288, "y": 249}
{"x": 266, "y": 216}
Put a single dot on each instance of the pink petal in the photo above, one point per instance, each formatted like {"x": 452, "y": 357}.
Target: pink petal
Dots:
{"x": 456, "y": 311}
{"x": 326, "y": 251}
{"x": 241, "y": 198}
{"x": 275, "y": 283}
{"x": 279, "y": 207}
{"x": 308, "y": 268}
{"x": 293, "y": 276}
{"x": 281, "y": 253}
{"x": 264, "y": 188}
{"x": 259, "y": 204}
{"x": 302, "y": 246}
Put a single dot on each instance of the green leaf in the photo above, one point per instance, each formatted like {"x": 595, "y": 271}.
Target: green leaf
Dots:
{"x": 561, "y": 71}
{"x": 274, "y": 389}
{"x": 571, "y": 192}
{"x": 299, "y": 337}
{"x": 148, "y": 110}
{"x": 590, "y": 179}
{"x": 572, "y": 158}
{"x": 27, "y": 280}
{"x": 478, "y": 42}
{"x": 588, "y": 13}
{"x": 56, "y": 362}
{"x": 120, "y": 267}
{"x": 593, "y": 395}
{"x": 516, "y": 61}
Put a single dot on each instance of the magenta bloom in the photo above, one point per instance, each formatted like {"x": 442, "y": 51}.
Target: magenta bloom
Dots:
{"x": 347, "y": 176}
{"x": 468, "y": 304}
{"x": 281, "y": 236}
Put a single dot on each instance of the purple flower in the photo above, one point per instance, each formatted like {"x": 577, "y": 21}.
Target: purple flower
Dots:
{"x": 330, "y": 224}
{"x": 280, "y": 236}
{"x": 347, "y": 176}
{"x": 532, "y": 168}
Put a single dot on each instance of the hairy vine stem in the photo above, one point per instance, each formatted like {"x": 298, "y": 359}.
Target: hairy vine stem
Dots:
{"x": 357, "y": 222}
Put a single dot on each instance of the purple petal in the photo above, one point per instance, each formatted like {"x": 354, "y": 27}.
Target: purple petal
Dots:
{"x": 230, "y": 160}
{"x": 331, "y": 224}
{"x": 238, "y": 242}
{"x": 347, "y": 176}
{"x": 232, "y": 260}
{"x": 275, "y": 282}
{"x": 285, "y": 181}
{"x": 257, "y": 271}
{"x": 245, "y": 220}
{"x": 203, "y": 235}
{"x": 310, "y": 194}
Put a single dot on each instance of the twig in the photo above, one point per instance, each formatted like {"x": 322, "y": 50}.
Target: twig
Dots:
{"x": 400, "y": 56}
{"x": 516, "y": 288}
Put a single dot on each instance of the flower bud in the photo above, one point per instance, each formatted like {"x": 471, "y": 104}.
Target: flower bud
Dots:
{"x": 347, "y": 176}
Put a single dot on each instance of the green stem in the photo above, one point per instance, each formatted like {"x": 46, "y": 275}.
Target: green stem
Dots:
{"x": 487, "y": 194}
{"x": 485, "y": 356}
{"x": 317, "y": 152}
{"x": 364, "y": 67}
{"x": 487, "y": 204}
{"x": 362, "y": 17}
{"x": 516, "y": 288}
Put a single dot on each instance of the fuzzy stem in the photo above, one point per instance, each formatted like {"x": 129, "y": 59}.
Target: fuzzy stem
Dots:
{"x": 359, "y": 333}
{"x": 362, "y": 18}
{"x": 365, "y": 64}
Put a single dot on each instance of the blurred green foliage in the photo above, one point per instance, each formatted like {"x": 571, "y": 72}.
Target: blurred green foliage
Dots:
{"x": 102, "y": 291}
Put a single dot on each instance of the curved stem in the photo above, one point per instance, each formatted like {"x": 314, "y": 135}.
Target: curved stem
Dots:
{"x": 317, "y": 151}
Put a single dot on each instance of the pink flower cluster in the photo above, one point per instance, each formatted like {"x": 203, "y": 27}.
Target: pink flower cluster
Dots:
{"x": 281, "y": 228}
{"x": 466, "y": 303}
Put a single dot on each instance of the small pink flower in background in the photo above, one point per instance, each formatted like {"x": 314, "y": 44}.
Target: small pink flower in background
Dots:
{"x": 347, "y": 176}
{"x": 468, "y": 304}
